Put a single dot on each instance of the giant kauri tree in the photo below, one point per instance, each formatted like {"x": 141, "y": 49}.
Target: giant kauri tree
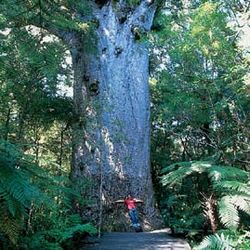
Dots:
{"x": 111, "y": 94}
{"x": 112, "y": 99}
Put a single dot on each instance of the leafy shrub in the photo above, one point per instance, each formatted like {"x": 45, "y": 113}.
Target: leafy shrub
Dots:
{"x": 35, "y": 206}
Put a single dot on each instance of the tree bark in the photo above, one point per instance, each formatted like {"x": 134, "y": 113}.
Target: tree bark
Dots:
{"x": 112, "y": 134}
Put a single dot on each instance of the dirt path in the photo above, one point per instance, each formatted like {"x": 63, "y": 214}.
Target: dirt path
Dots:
{"x": 139, "y": 241}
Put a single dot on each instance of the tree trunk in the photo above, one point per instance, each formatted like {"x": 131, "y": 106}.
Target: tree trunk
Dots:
{"x": 111, "y": 93}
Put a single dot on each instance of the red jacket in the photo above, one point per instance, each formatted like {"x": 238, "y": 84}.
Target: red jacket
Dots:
{"x": 130, "y": 203}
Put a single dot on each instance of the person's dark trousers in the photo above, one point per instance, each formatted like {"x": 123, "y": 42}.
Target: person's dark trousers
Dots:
{"x": 133, "y": 216}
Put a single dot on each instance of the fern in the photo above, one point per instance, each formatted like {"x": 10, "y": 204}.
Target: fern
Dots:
{"x": 230, "y": 183}
{"x": 183, "y": 170}
{"x": 216, "y": 242}
{"x": 10, "y": 226}
{"x": 218, "y": 173}
{"x": 37, "y": 240}
{"x": 16, "y": 189}
{"x": 241, "y": 202}
{"x": 61, "y": 235}
{"x": 58, "y": 234}
{"x": 228, "y": 209}
{"x": 233, "y": 186}
{"x": 228, "y": 213}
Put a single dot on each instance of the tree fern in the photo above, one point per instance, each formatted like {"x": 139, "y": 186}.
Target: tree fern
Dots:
{"x": 15, "y": 184}
{"x": 66, "y": 233}
{"x": 218, "y": 173}
{"x": 228, "y": 213}
{"x": 233, "y": 186}
{"x": 230, "y": 183}
{"x": 16, "y": 189}
{"x": 177, "y": 172}
{"x": 9, "y": 226}
{"x": 242, "y": 202}
{"x": 216, "y": 242}
{"x": 23, "y": 188}
{"x": 228, "y": 209}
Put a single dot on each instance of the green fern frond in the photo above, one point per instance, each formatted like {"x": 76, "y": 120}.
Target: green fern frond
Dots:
{"x": 9, "y": 226}
{"x": 70, "y": 231}
{"x": 228, "y": 209}
{"x": 218, "y": 173}
{"x": 175, "y": 166}
{"x": 74, "y": 219}
{"x": 16, "y": 189}
{"x": 241, "y": 202}
{"x": 216, "y": 242}
{"x": 185, "y": 169}
{"x": 176, "y": 177}
{"x": 175, "y": 173}
{"x": 233, "y": 186}
{"x": 228, "y": 213}
{"x": 224, "y": 179}
{"x": 15, "y": 186}
{"x": 61, "y": 235}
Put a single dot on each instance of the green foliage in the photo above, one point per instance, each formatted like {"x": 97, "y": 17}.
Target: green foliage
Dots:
{"x": 200, "y": 122}
{"x": 35, "y": 128}
{"x": 34, "y": 111}
{"x": 29, "y": 193}
{"x": 224, "y": 180}
{"x": 217, "y": 173}
{"x": 58, "y": 237}
{"x": 229, "y": 206}
{"x": 216, "y": 242}
{"x": 39, "y": 13}
{"x": 224, "y": 239}
{"x": 16, "y": 189}
{"x": 199, "y": 95}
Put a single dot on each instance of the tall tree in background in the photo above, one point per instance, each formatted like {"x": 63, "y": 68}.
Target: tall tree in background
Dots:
{"x": 111, "y": 96}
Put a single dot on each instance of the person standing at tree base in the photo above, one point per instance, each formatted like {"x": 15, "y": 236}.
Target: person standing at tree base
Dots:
{"x": 130, "y": 202}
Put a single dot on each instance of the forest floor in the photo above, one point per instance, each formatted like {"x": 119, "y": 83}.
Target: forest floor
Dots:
{"x": 154, "y": 240}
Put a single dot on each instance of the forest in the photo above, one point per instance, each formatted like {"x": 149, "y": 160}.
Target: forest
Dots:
{"x": 101, "y": 99}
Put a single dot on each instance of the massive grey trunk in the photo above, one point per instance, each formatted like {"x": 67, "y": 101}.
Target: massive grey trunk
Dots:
{"x": 111, "y": 142}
